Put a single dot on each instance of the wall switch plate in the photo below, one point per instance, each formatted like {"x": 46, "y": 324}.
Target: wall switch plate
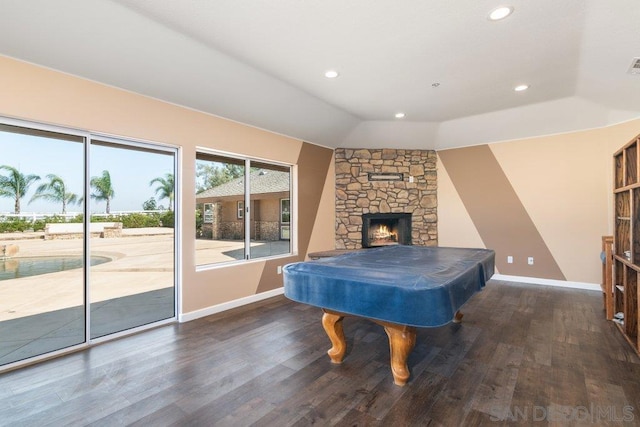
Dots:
{"x": 509, "y": 259}
{"x": 279, "y": 269}
{"x": 530, "y": 260}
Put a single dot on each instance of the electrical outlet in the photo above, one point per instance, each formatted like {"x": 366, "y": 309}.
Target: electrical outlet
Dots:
{"x": 530, "y": 260}
{"x": 410, "y": 179}
{"x": 509, "y": 259}
{"x": 279, "y": 269}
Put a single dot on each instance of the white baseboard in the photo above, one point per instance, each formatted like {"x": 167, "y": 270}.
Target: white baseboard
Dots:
{"x": 192, "y": 315}
{"x": 186, "y": 317}
{"x": 548, "y": 282}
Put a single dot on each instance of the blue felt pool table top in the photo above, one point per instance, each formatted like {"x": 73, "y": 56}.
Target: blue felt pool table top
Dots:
{"x": 409, "y": 285}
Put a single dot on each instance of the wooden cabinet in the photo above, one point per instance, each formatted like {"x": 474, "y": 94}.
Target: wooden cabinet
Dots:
{"x": 626, "y": 240}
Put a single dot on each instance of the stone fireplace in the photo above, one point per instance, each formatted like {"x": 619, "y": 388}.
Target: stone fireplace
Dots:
{"x": 384, "y": 229}
{"x": 385, "y": 181}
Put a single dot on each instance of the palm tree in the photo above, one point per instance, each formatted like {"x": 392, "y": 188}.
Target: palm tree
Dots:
{"x": 103, "y": 189}
{"x": 55, "y": 191}
{"x": 15, "y": 185}
{"x": 165, "y": 188}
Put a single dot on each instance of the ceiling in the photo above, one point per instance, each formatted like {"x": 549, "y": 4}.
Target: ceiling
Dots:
{"x": 443, "y": 63}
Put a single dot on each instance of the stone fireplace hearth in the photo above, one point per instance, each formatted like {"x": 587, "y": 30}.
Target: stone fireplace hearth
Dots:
{"x": 371, "y": 181}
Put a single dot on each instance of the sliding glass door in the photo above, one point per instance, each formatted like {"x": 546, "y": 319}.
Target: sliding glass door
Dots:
{"x": 132, "y": 223}
{"x": 87, "y": 242}
{"x": 41, "y": 270}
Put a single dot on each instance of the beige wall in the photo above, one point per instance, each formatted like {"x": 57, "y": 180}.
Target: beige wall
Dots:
{"x": 547, "y": 197}
{"x": 270, "y": 210}
{"x": 33, "y": 93}
{"x": 560, "y": 183}
{"x": 230, "y": 212}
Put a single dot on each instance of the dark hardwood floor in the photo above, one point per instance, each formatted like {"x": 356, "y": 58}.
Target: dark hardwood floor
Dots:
{"x": 523, "y": 354}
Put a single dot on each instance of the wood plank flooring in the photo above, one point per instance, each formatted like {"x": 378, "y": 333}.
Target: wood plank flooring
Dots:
{"x": 523, "y": 354}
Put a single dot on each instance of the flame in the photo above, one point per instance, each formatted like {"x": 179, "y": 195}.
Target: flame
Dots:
{"x": 382, "y": 232}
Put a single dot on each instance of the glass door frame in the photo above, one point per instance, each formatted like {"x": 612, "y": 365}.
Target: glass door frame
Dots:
{"x": 86, "y": 253}
{"x": 36, "y": 126}
{"x": 177, "y": 260}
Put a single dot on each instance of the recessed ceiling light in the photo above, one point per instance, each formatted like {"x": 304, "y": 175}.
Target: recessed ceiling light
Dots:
{"x": 331, "y": 74}
{"x": 500, "y": 13}
{"x": 520, "y": 88}
{"x": 400, "y": 115}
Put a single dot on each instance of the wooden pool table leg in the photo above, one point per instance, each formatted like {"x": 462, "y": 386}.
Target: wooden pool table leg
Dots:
{"x": 457, "y": 318}
{"x": 332, "y": 324}
{"x": 402, "y": 339}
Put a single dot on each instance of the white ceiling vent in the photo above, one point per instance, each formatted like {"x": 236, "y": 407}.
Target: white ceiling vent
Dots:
{"x": 635, "y": 66}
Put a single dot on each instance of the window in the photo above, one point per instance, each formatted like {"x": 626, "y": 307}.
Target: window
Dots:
{"x": 208, "y": 213}
{"x": 285, "y": 214}
{"x": 240, "y": 210}
{"x": 285, "y": 217}
{"x": 250, "y": 204}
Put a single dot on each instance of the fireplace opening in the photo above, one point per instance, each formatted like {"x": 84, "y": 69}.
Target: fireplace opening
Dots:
{"x": 386, "y": 229}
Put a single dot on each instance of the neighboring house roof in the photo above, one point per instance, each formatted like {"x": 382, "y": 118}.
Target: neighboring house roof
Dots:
{"x": 262, "y": 181}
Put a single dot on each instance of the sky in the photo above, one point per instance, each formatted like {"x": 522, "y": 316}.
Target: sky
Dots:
{"x": 130, "y": 170}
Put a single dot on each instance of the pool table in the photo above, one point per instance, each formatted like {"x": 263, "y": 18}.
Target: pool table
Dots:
{"x": 400, "y": 287}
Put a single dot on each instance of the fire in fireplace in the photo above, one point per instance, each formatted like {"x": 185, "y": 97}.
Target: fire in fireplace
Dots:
{"x": 382, "y": 229}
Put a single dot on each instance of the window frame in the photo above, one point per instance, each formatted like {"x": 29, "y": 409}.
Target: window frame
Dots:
{"x": 247, "y": 206}
{"x": 285, "y": 226}
{"x": 240, "y": 209}
{"x": 207, "y": 216}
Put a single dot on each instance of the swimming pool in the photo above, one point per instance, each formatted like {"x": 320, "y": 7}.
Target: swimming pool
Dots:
{"x": 15, "y": 268}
